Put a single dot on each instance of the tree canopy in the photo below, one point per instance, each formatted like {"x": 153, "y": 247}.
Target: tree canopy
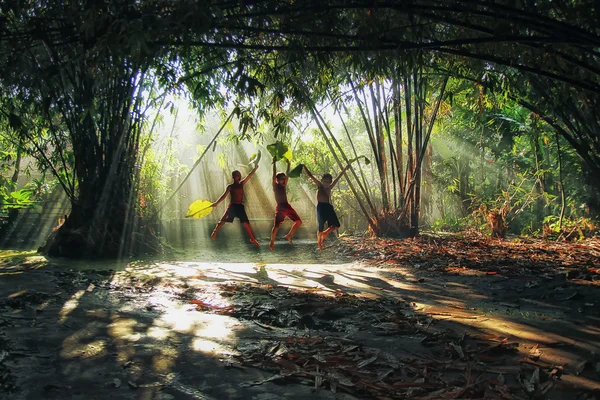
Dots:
{"x": 87, "y": 72}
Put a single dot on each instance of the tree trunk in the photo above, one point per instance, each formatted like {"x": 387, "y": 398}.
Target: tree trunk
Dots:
{"x": 103, "y": 223}
{"x": 105, "y": 219}
{"x": 496, "y": 220}
{"x": 463, "y": 186}
{"x": 561, "y": 186}
{"x": 13, "y": 213}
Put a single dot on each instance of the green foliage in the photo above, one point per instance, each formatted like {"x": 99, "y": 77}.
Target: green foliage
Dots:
{"x": 222, "y": 160}
{"x": 280, "y": 151}
{"x": 255, "y": 158}
{"x": 570, "y": 228}
{"x": 76, "y": 98}
{"x": 158, "y": 168}
{"x": 15, "y": 200}
{"x": 24, "y": 198}
{"x": 296, "y": 171}
{"x": 366, "y": 160}
{"x": 452, "y": 224}
{"x": 502, "y": 157}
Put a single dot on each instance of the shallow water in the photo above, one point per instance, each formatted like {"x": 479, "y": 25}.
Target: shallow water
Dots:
{"x": 227, "y": 248}
{"x": 236, "y": 250}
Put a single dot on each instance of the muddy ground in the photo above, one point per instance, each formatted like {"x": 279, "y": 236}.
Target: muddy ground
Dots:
{"x": 430, "y": 318}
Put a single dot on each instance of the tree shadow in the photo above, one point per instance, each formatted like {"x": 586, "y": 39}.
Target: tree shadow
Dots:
{"x": 221, "y": 329}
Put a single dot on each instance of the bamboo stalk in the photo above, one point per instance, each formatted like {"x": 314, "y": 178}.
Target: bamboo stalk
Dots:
{"x": 318, "y": 119}
{"x": 562, "y": 187}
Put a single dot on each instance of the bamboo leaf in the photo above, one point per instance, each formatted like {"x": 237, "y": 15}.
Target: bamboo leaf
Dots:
{"x": 200, "y": 148}
{"x": 222, "y": 160}
{"x": 367, "y": 161}
{"x": 280, "y": 151}
{"x": 295, "y": 173}
{"x": 255, "y": 158}
{"x": 199, "y": 209}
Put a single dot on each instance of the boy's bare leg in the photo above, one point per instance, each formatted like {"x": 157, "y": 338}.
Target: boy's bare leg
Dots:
{"x": 213, "y": 235}
{"x": 320, "y": 239}
{"x": 325, "y": 233}
{"x": 251, "y": 234}
{"x": 293, "y": 230}
{"x": 273, "y": 234}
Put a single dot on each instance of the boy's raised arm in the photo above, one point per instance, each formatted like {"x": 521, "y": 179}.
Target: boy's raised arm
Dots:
{"x": 315, "y": 180}
{"x": 287, "y": 171}
{"x": 246, "y": 179}
{"x": 274, "y": 170}
{"x": 220, "y": 199}
{"x": 340, "y": 175}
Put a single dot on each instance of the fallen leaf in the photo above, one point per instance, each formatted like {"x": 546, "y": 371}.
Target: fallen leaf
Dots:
{"x": 535, "y": 378}
{"x": 535, "y": 352}
{"x": 580, "y": 367}
{"x": 339, "y": 378}
{"x": 257, "y": 383}
{"x": 458, "y": 350}
{"x": 364, "y": 363}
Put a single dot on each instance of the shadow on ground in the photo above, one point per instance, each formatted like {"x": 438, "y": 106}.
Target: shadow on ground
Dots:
{"x": 230, "y": 321}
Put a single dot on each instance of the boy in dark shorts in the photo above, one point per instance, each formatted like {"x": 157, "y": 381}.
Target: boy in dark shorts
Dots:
{"x": 283, "y": 209}
{"x": 325, "y": 210}
{"x": 236, "y": 205}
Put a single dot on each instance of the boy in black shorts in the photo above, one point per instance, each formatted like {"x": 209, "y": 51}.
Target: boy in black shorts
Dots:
{"x": 325, "y": 210}
{"x": 236, "y": 205}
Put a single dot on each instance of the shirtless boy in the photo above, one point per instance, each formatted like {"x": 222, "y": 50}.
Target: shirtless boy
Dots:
{"x": 284, "y": 209}
{"x": 236, "y": 205}
{"x": 325, "y": 210}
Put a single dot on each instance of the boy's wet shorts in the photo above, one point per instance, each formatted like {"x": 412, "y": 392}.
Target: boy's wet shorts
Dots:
{"x": 326, "y": 213}
{"x": 235, "y": 210}
{"x": 285, "y": 210}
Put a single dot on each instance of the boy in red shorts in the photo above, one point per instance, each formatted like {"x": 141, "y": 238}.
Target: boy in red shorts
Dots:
{"x": 236, "y": 205}
{"x": 284, "y": 209}
{"x": 325, "y": 210}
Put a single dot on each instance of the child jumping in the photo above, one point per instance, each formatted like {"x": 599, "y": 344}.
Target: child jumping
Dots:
{"x": 283, "y": 209}
{"x": 325, "y": 210}
{"x": 236, "y": 206}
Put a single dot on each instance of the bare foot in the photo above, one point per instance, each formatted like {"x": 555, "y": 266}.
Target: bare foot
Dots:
{"x": 320, "y": 244}
{"x": 272, "y": 245}
{"x": 289, "y": 238}
{"x": 254, "y": 242}
{"x": 213, "y": 236}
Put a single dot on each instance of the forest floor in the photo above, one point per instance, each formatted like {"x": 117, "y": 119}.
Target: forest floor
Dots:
{"x": 436, "y": 317}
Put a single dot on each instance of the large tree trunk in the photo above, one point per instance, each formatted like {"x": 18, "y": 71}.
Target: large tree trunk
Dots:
{"x": 103, "y": 223}
{"x": 592, "y": 179}
{"x": 13, "y": 213}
